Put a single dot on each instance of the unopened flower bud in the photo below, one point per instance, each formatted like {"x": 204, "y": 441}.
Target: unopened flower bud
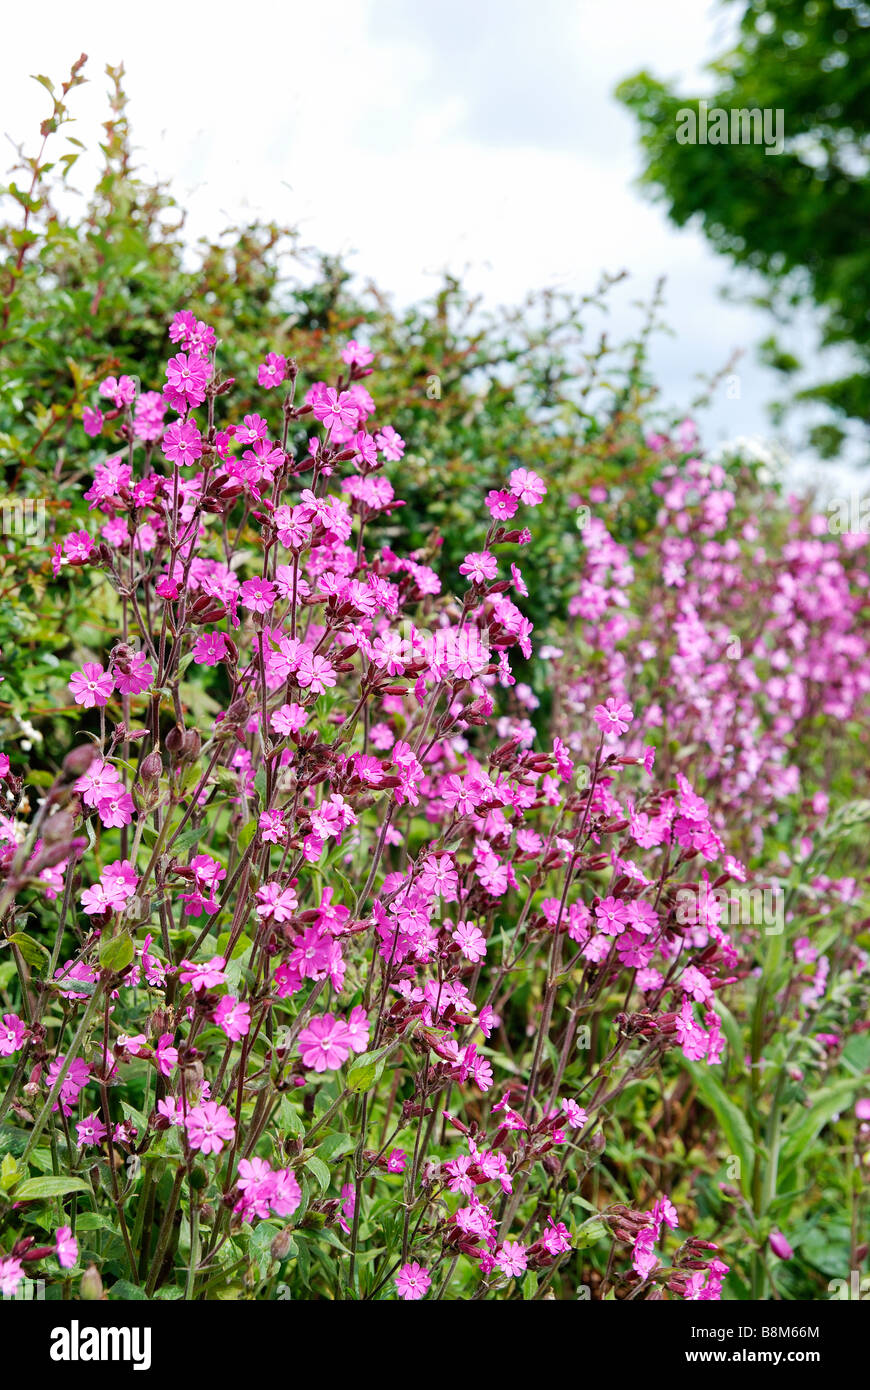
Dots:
{"x": 57, "y": 828}
{"x": 78, "y": 760}
{"x": 91, "y": 1285}
{"x": 151, "y": 767}
{"x": 281, "y": 1243}
{"x": 191, "y": 744}
{"x": 175, "y": 739}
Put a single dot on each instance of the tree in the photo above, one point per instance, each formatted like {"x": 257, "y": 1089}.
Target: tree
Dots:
{"x": 799, "y": 218}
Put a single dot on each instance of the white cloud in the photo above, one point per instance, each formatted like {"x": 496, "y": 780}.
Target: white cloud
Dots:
{"x": 416, "y": 138}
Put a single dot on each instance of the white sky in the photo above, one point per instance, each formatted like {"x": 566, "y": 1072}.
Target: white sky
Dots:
{"x": 475, "y": 135}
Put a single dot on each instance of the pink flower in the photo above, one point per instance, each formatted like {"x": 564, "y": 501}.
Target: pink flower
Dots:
{"x": 207, "y": 975}
{"x": 272, "y": 828}
{"x": 610, "y": 916}
{"x": 502, "y": 505}
{"x": 137, "y": 677}
{"x": 186, "y": 380}
{"x": 286, "y": 1193}
{"x": 258, "y": 594}
{"x": 396, "y": 1161}
{"x": 324, "y": 1044}
{"x": 148, "y": 416}
{"x": 412, "y": 1281}
{"x": 315, "y": 672}
{"x": 11, "y": 1035}
{"x": 643, "y": 1256}
{"x": 233, "y": 1017}
{"x": 276, "y": 902}
{"x": 289, "y": 719}
{"x": 210, "y": 648}
{"x": 182, "y": 443}
{"x": 120, "y": 392}
{"x": 574, "y": 1113}
{"x": 91, "y": 685}
{"x": 391, "y": 444}
{"x": 166, "y": 1054}
{"x": 11, "y": 1274}
{"x": 356, "y": 355}
{"x": 479, "y": 567}
{"x": 256, "y": 1182}
{"x": 470, "y": 940}
{"x": 92, "y": 420}
{"x": 527, "y": 486}
{"x": 511, "y": 1258}
{"x": 100, "y": 781}
{"x": 556, "y": 1238}
{"x": 117, "y": 809}
{"x": 273, "y": 371}
{"x": 613, "y": 719}
{"x": 73, "y": 1083}
{"x": 171, "y": 1110}
{"x": 357, "y": 1029}
{"x": 66, "y": 1247}
{"x": 209, "y": 1127}
{"x": 335, "y": 410}
{"x": 77, "y": 547}
{"x": 191, "y": 332}
{"x": 90, "y": 1130}
{"x": 95, "y": 901}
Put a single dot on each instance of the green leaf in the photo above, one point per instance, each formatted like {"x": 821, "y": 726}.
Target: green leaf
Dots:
{"x": 31, "y": 950}
{"x": 335, "y": 1146}
{"x": 32, "y": 1189}
{"x": 246, "y": 835}
{"x": 364, "y": 1072}
{"x": 117, "y": 953}
{"x": 9, "y": 1173}
{"x": 808, "y": 1124}
{"x": 124, "y": 1290}
{"x": 187, "y": 839}
{"x": 316, "y": 1166}
{"x": 733, "y": 1122}
{"x": 93, "y": 1221}
{"x": 290, "y": 1119}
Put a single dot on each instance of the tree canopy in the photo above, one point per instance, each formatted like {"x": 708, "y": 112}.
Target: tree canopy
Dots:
{"x": 800, "y": 217}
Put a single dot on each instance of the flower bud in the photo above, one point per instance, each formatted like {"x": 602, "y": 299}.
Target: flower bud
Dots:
{"x": 151, "y": 767}
{"x": 780, "y": 1246}
{"x": 281, "y": 1243}
{"x": 91, "y": 1285}
{"x": 175, "y": 739}
{"x": 58, "y": 828}
{"x": 191, "y": 745}
{"x": 78, "y": 760}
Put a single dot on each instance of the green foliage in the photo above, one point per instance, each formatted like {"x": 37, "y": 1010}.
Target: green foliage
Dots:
{"x": 476, "y": 394}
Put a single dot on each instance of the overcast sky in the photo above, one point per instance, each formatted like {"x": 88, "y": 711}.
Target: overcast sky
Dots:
{"x": 475, "y": 135}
